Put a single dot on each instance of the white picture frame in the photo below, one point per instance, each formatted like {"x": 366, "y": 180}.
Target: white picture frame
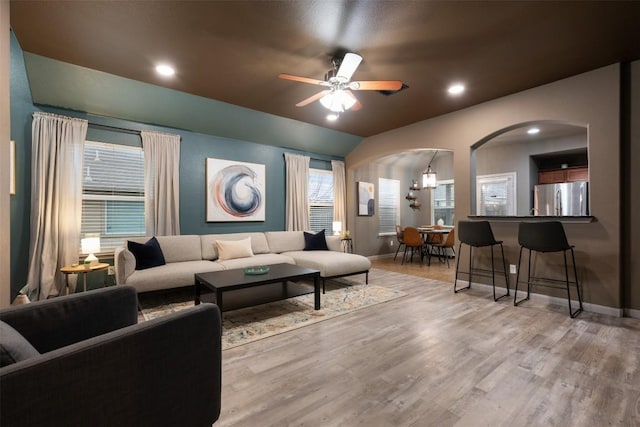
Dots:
{"x": 236, "y": 191}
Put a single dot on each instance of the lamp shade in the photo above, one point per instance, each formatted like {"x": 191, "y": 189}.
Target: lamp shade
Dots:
{"x": 337, "y": 101}
{"x": 429, "y": 179}
{"x": 90, "y": 245}
{"x": 337, "y": 227}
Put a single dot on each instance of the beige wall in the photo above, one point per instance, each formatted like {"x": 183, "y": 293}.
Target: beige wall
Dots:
{"x": 633, "y": 279}
{"x": 590, "y": 99}
{"x": 5, "y": 234}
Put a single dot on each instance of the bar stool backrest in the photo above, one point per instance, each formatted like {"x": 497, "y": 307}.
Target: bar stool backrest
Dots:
{"x": 548, "y": 236}
{"x": 476, "y": 233}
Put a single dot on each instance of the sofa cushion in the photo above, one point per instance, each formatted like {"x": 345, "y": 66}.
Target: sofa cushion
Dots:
{"x": 147, "y": 254}
{"x": 231, "y": 249}
{"x": 180, "y": 248}
{"x": 283, "y": 241}
{"x": 256, "y": 260}
{"x": 208, "y": 241}
{"x": 172, "y": 275}
{"x": 334, "y": 243}
{"x": 330, "y": 263}
{"x": 315, "y": 242}
{"x": 13, "y": 346}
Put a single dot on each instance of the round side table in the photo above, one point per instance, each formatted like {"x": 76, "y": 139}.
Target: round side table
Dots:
{"x": 347, "y": 245}
{"x": 84, "y": 269}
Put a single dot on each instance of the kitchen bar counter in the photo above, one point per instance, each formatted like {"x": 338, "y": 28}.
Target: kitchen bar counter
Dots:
{"x": 566, "y": 219}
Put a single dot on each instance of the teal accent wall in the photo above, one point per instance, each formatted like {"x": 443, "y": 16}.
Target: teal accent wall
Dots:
{"x": 21, "y": 110}
{"x": 194, "y": 149}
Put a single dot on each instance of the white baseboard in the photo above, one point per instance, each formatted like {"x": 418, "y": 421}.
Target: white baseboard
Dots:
{"x": 593, "y": 308}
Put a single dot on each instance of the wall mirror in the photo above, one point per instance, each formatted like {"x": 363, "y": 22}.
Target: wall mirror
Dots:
{"x": 538, "y": 168}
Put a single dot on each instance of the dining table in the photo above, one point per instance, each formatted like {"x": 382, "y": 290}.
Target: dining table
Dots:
{"x": 428, "y": 236}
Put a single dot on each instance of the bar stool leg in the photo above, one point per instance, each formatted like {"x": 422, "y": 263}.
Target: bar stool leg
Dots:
{"x": 515, "y": 293}
{"x": 455, "y": 280}
{"x": 505, "y": 275}
{"x": 572, "y": 314}
{"x": 493, "y": 275}
{"x": 575, "y": 275}
{"x": 504, "y": 268}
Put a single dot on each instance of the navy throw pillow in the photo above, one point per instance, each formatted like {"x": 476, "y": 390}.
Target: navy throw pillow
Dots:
{"x": 315, "y": 242}
{"x": 147, "y": 254}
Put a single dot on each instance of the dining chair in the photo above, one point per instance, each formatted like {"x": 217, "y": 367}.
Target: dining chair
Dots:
{"x": 412, "y": 240}
{"x": 478, "y": 234}
{"x": 400, "y": 238}
{"x": 448, "y": 243}
{"x": 546, "y": 237}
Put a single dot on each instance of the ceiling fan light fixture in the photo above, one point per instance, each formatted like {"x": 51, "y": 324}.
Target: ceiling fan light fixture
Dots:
{"x": 337, "y": 101}
{"x": 332, "y": 117}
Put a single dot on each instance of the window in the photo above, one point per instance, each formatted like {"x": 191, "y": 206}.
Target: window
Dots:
{"x": 388, "y": 206}
{"x": 112, "y": 193}
{"x": 496, "y": 194}
{"x": 442, "y": 203}
{"x": 321, "y": 200}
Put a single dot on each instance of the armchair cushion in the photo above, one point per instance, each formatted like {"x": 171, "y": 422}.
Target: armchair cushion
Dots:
{"x": 13, "y": 346}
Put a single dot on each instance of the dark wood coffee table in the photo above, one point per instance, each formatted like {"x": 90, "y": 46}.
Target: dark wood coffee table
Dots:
{"x": 228, "y": 280}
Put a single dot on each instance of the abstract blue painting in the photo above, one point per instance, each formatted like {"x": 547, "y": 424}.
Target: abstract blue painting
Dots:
{"x": 235, "y": 191}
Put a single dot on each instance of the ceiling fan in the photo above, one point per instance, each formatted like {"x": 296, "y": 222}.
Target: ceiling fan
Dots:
{"x": 338, "y": 96}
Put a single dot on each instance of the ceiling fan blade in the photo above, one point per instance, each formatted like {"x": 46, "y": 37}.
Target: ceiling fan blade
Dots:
{"x": 349, "y": 65}
{"x": 312, "y": 98}
{"x": 302, "y": 79}
{"x": 357, "y": 105}
{"x": 376, "y": 85}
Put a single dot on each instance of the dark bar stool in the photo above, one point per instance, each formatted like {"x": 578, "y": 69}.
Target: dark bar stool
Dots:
{"x": 548, "y": 236}
{"x": 478, "y": 234}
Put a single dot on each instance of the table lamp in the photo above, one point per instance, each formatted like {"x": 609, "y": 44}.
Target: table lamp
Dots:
{"x": 337, "y": 228}
{"x": 90, "y": 245}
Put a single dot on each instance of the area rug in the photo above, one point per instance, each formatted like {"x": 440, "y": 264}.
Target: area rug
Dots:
{"x": 250, "y": 324}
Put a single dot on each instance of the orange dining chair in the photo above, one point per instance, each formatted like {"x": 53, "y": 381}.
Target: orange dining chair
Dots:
{"x": 412, "y": 240}
{"x": 400, "y": 237}
{"x": 445, "y": 244}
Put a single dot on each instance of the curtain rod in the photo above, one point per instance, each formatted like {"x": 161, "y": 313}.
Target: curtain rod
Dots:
{"x": 314, "y": 158}
{"x": 119, "y": 129}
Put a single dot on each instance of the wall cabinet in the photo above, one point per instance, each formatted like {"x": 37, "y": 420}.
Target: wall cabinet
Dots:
{"x": 563, "y": 175}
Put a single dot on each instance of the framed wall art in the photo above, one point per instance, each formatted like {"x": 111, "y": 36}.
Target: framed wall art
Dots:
{"x": 235, "y": 191}
{"x": 366, "y": 202}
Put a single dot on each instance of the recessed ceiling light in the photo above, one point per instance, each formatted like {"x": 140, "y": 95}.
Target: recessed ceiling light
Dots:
{"x": 533, "y": 131}
{"x": 456, "y": 89}
{"x": 165, "y": 70}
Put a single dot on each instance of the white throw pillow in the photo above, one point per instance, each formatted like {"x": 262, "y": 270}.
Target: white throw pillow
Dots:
{"x": 230, "y": 249}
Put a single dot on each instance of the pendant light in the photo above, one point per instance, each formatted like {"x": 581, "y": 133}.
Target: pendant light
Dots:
{"x": 429, "y": 176}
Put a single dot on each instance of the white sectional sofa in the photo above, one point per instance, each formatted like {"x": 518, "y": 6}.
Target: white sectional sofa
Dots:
{"x": 189, "y": 254}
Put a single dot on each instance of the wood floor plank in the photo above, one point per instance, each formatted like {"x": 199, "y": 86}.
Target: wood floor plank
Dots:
{"x": 435, "y": 358}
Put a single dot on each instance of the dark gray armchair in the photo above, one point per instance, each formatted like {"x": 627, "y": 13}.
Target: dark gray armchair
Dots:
{"x": 98, "y": 367}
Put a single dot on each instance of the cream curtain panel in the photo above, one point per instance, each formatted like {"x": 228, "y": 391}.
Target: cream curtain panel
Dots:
{"x": 297, "y": 206}
{"x": 339, "y": 193}
{"x": 56, "y": 201}
{"x": 161, "y": 183}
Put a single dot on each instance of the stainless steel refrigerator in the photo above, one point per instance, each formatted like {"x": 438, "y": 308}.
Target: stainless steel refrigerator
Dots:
{"x": 564, "y": 199}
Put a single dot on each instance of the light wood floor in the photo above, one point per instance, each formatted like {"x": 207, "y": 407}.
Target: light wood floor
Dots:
{"x": 435, "y": 358}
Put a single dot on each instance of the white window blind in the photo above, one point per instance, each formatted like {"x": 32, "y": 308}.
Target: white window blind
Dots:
{"x": 388, "y": 205}
{"x": 442, "y": 203}
{"x": 321, "y": 200}
{"x": 113, "y": 193}
{"x": 496, "y": 194}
